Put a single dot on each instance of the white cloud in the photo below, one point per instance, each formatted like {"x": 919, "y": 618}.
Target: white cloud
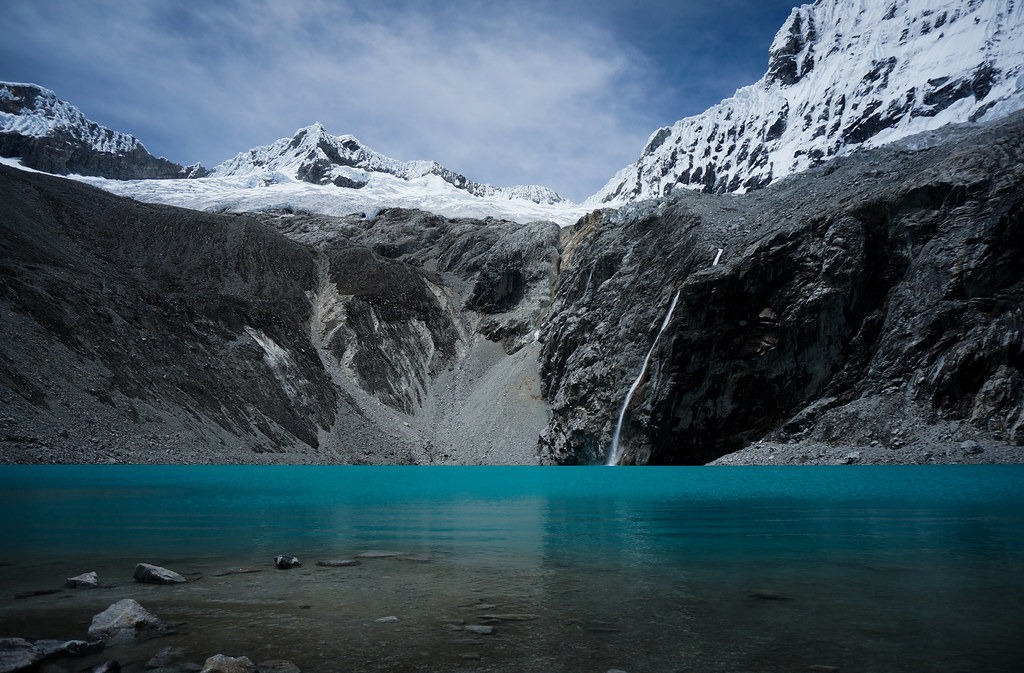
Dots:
{"x": 504, "y": 94}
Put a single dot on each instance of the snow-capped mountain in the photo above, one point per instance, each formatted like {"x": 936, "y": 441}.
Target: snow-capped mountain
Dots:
{"x": 842, "y": 74}
{"x": 51, "y": 135}
{"x": 316, "y": 172}
{"x": 312, "y": 155}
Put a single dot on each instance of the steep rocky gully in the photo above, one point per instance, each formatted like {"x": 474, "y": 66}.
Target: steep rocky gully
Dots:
{"x": 868, "y": 310}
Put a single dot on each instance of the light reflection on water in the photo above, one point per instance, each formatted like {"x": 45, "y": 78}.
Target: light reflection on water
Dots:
{"x": 771, "y": 569}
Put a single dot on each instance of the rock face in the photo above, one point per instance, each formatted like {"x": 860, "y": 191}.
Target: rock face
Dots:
{"x": 53, "y": 136}
{"x": 123, "y": 622}
{"x": 841, "y": 75}
{"x": 882, "y": 291}
{"x": 152, "y": 334}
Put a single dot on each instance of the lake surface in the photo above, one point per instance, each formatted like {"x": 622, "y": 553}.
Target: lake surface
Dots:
{"x": 576, "y": 569}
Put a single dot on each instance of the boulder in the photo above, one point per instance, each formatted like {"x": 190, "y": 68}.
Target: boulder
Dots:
{"x": 87, "y": 580}
{"x": 151, "y": 574}
{"x": 286, "y": 562}
{"x": 220, "y": 663}
{"x": 123, "y": 622}
{"x": 17, "y": 654}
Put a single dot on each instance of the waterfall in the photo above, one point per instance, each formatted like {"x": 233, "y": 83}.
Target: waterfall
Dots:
{"x": 613, "y": 452}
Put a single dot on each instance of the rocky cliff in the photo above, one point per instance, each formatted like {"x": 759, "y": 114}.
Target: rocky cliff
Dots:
{"x": 144, "y": 333}
{"x": 870, "y": 309}
{"x": 53, "y": 136}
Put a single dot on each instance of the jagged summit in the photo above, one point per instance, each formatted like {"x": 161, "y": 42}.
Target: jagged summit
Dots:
{"x": 51, "y": 135}
{"x": 842, "y": 74}
{"x": 313, "y": 155}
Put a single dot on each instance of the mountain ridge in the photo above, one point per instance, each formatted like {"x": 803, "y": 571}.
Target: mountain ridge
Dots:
{"x": 840, "y": 76}
{"x": 51, "y": 135}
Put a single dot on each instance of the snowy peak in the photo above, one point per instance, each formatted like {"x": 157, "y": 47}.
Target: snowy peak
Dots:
{"x": 841, "y": 74}
{"x": 313, "y": 155}
{"x": 32, "y": 111}
{"x": 51, "y": 135}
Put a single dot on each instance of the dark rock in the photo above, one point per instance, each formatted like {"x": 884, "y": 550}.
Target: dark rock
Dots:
{"x": 68, "y": 648}
{"x": 17, "y": 655}
{"x": 165, "y": 657}
{"x": 151, "y": 574}
{"x": 84, "y": 581}
{"x": 125, "y": 621}
{"x": 36, "y": 592}
{"x": 286, "y": 562}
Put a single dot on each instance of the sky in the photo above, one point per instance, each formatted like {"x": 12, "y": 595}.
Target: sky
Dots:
{"x": 558, "y": 93}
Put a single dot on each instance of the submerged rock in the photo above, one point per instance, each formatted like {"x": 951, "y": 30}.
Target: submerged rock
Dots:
{"x": 278, "y": 666}
{"x": 338, "y": 563}
{"x": 479, "y": 629}
{"x": 87, "y": 580}
{"x": 286, "y": 562}
{"x": 380, "y": 554}
{"x": 124, "y": 621}
{"x": 108, "y": 667}
{"x": 390, "y": 619}
{"x": 67, "y": 648}
{"x": 17, "y": 654}
{"x": 220, "y": 663}
{"x": 151, "y": 574}
{"x": 165, "y": 657}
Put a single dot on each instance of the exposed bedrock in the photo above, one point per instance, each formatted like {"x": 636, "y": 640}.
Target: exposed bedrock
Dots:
{"x": 141, "y": 333}
{"x": 890, "y": 274}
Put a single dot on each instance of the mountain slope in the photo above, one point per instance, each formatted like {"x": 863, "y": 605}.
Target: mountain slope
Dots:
{"x": 53, "y": 136}
{"x": 842, "y": 74}
{"x": 868, "y": 310}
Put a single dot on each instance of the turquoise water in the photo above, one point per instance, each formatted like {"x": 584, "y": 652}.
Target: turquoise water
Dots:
{"x": 657, "y": 569}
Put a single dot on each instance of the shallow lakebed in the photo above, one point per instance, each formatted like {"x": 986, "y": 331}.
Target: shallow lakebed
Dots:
{"x": 575, "y": 569}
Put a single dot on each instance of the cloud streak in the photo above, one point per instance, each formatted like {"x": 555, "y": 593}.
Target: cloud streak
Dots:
{"x": 504, "y": 94}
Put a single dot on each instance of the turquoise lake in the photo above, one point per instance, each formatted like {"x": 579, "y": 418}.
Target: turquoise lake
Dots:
{"x": 576, "y": 569}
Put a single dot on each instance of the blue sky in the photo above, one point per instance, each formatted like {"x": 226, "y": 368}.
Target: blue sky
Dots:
{"x": 562, "y": 94}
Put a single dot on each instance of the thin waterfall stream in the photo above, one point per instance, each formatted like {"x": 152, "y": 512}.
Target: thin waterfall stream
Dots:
{"x": 614, "y": 454}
